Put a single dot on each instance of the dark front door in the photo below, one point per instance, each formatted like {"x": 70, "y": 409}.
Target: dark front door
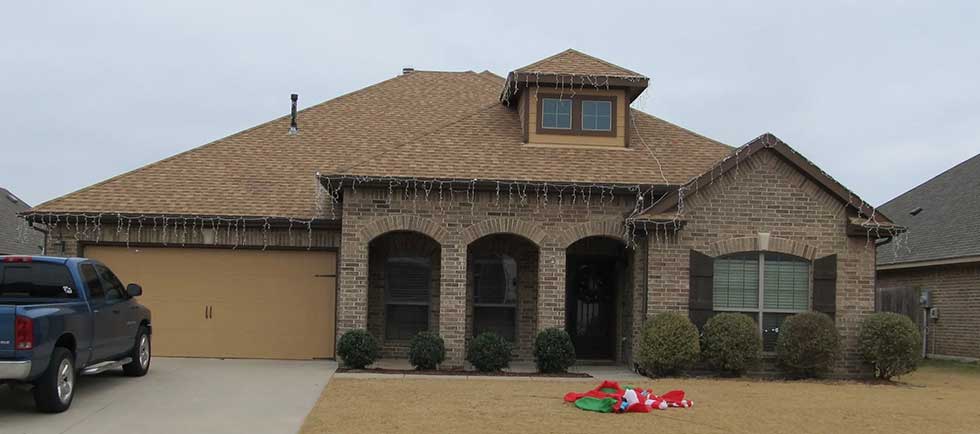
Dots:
{"x": 590, "y": 305}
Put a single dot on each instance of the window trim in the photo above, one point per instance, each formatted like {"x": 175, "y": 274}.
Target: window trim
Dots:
{"x": 576, "y": 129}
{"x": 760, "y": 308}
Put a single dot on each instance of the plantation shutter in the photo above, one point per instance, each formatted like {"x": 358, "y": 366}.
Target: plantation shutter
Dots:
{"x": 825, "y": 285}
{"x": 701, "y": 293}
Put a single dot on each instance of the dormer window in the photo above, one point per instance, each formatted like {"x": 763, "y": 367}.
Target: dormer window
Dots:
{"x": 556, "y": 113}
{"x": 596, "y": 115}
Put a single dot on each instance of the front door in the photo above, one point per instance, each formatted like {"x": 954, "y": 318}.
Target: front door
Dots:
{"x": 590, "y": 302}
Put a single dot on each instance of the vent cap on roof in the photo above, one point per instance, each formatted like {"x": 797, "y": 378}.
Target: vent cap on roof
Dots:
{"x": 13, "y": 199}
{"x": 915, "y": 211}
{"x": 407, "y": 70}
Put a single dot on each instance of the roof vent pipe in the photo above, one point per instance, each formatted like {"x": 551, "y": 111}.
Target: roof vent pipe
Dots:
{"x": 407, "y": 70}
{"x": 293, "y": 129}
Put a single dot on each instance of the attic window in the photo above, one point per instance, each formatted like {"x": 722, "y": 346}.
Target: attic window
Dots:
{"x": 556, "y": 113}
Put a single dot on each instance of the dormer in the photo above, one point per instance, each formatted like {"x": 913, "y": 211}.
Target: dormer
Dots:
{"x": 573, "y": 99}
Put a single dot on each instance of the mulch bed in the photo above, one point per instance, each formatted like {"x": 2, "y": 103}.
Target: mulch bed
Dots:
{"x": 461, "y": 372}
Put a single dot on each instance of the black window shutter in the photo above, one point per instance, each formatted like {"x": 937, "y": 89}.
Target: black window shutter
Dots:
{"x": 701, "y": 293}
{"x": 825, "y": 284}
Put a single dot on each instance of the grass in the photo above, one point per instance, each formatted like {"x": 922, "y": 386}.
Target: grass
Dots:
{"x": 940, "y": 397}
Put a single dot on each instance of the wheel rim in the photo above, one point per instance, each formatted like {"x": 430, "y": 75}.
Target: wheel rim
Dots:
{"x": 144, "y": 351}
{"x": 66, "y": 381}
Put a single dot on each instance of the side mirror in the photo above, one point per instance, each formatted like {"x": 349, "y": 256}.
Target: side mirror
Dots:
{"x": 134, "y": 290}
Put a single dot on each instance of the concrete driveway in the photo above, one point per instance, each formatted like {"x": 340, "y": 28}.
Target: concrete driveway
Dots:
{"x": 181, "y": 395}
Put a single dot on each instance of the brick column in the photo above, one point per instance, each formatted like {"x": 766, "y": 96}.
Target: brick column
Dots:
{"x": 352, "y": 284}
{"x": 551, "y": 287}
{"x": 452, "y": 304}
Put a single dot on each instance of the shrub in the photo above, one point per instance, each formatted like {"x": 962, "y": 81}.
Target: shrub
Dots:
{"x": 668, "y": 344}
{"x": 891, "y": 343}
{"x": 808, "y": 344}
{"x": 553, "y": 350}
{"x": 358, "y": 349}
{"x": 731, "y": 343}
{"x": 426, "y": 350}
{"x": 489, "y": 352}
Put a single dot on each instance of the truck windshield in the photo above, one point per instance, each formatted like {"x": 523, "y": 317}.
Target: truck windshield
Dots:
{"x": 26, "y": 280}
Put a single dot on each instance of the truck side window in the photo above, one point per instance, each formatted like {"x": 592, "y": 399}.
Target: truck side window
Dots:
{"x": 114, "y": 290}
{"x": 92, "y": 281}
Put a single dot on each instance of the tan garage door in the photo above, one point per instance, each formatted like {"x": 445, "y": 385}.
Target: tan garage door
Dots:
{"x": 232, "y": 303}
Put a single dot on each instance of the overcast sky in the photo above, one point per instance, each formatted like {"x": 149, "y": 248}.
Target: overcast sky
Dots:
{"x": 882, "y": 95}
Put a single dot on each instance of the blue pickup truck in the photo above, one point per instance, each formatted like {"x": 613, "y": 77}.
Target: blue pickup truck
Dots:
{"x": 62, "y": 317}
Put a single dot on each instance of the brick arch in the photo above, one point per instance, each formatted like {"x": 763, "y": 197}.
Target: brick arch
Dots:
{"x": 529, "y": 230}
{"x": 609, "y": 228}
{"x": 404, "y": 222}
{"x": 756, "y": 243}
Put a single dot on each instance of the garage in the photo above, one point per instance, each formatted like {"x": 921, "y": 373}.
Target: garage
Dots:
{"x": 210, "y": 302}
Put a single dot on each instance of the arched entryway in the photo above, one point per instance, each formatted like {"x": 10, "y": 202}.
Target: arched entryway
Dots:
{"x": 502, "y": 288}
{"x": 597, "y": 282}
{"x": 403, "y": 289}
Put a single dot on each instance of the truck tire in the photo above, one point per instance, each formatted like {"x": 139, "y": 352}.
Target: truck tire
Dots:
{"x": 55, "y": 389}
{"x": 140, "y": 355}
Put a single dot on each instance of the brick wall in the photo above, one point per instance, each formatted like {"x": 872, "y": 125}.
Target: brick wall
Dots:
{"x": 457, "y": 222}
{"x": 955, "y": 291}
{"x": 765, "y": 194}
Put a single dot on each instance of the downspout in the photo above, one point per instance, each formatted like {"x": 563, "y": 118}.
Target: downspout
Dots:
{"x": 44, "y": 245}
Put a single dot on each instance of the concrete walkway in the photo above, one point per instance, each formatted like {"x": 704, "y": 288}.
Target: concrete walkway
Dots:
{"x": 600, "y": 372}
{"x": 181, "y": 396}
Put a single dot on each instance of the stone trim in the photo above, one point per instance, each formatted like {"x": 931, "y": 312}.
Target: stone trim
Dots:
{"x": 531, "y": 231}
{"x": 403, "y": 222}
{"x": 762, "y": 242}
{"x": 599, "y": 228}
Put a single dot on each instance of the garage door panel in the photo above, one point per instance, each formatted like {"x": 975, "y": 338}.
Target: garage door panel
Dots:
{"x": 264, "y": 304}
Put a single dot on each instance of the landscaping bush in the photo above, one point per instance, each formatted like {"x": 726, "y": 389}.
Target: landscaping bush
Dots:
{"x": 426, "y": 350}
{"x": 669, "y": 343}
{"x": 731, "y": 343}
{"x": 891, "y": 343}
{"x": 489, "y": 352}
{"x": 808, "y": 344}
{"x": 553, "y": 350}
{"x": 358, "y": 349}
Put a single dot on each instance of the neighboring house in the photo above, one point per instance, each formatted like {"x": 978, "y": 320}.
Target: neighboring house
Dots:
{"x": 16, "y": 235}
{"x": 941, "y": 255}
{"x": 463, "y": 202}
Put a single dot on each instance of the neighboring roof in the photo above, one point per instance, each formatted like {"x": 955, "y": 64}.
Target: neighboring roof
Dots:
{"x": 948, "y": 225}
{"x": 574, "y": 62}
{"x": 16, "y": 236}
{"x": 666, "y": 208}
{"x": 488, "y": 145}
{"x": 421, "y": 124}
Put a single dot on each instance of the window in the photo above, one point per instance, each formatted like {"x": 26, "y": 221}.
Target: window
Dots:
{"x": 770, "y": 285}
{"x": 556, "y": 113}
{"x": 596, "y": 115}
{"x": 407, "y": 282}
{"x": 495, "y": 296}
{"x": 26, "y": 280}
{"x": 92, "y": 281}
{"x": 114, "y": 289}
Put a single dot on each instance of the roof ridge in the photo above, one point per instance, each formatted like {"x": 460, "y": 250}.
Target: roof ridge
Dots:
{"x": 417, "y": 137}
{"x": 213, "y": 142}
{"x": 577, "y": 52}
{"x": 933, "y": 178}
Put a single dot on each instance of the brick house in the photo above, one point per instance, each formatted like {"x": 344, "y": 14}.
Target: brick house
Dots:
{"x": 463, "y": 202}
{"x": 942, "y": 256}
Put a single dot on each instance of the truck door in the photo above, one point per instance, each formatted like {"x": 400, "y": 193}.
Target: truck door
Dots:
{"x": 119, "y": 304}
{"x": 102, "y": 317}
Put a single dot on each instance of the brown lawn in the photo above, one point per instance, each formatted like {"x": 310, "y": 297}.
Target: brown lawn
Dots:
{"x": 936, "y": 399}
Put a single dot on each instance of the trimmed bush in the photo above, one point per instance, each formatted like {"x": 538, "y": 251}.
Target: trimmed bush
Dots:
{"x": 891, "y": 343}
{"x": 553, "y": 350}
{"x": 357, "y": 348}
{"x": 489, "y": 352}
{"x": 808, "y": 344}
{"x": 669, "y": 343}
{"x": 426, "y": 350}
{"x": 731, "y": 343}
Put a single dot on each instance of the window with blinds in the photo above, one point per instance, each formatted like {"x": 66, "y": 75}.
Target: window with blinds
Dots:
{"x": 407, "y": 296}
{"x": 495, "y": 296}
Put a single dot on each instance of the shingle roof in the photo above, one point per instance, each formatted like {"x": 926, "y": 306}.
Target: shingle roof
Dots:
{"x": 573, "y": 62}
{"x": 422, "y": 124}
{"x": 948, "y": 225}
{"x": 16, "y": 237}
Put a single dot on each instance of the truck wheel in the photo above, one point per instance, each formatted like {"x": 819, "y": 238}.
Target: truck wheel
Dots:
{"x": 140, "y": 355}
{"x": 55, "y": 389}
